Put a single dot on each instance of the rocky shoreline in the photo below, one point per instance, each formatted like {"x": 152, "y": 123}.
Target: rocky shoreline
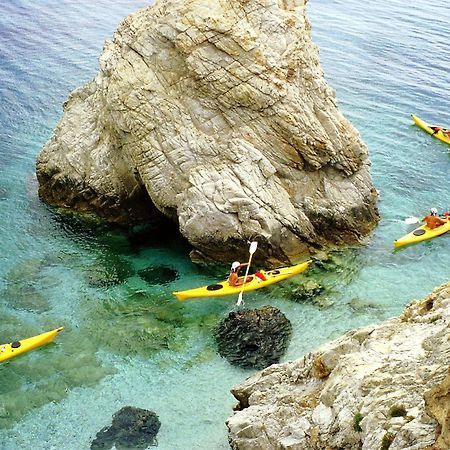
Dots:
{"x": 378, "y": 387}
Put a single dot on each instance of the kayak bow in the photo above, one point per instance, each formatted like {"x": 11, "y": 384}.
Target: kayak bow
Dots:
{"x": 256, "y": 281}
{"x": 428, "y": 128}
{"x": 422, "y": 233}
{"x": 13, "y": 349}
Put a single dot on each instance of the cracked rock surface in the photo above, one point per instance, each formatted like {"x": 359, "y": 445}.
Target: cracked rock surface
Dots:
{"x": 216, "y": 115}
{"x": 374, "y": 386}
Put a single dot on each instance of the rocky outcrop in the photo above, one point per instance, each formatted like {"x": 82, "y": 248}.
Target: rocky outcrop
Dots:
{"x": 379, "y": 387}
{"x": 216, "y": 115}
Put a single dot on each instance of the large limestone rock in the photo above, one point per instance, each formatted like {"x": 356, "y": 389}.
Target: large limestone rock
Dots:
{"x": 216, "y": 114}
{"x": 379, "y": 387}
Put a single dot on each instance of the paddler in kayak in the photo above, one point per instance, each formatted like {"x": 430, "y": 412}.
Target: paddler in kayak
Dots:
{"x": 433, "y": 220}
{"x": 233, "y": 278}
{"x": 445, "y": 132}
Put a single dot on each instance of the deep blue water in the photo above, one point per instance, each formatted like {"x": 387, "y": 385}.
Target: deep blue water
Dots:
{"x": 131, "y": 343}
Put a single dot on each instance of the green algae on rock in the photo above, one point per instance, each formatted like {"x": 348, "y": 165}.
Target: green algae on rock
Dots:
{"x": 141, "y": 323}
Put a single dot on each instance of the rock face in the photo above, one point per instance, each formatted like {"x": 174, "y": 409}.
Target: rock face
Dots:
{"x": 379, "y": 387}
{"x": 438, "y": 406}
{"x": 216, "y": 115}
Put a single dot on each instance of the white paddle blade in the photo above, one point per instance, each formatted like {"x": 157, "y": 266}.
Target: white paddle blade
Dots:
{"x": 253, "y": 247}
{"x": 411, "y": 220}
{"x": 239, "y": 300}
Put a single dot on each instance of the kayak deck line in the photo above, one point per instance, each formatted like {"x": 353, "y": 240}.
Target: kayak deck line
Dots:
{"x": 257, "y": 280}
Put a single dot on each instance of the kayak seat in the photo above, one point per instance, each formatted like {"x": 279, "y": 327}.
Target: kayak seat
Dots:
{"x": 214, "y": 287}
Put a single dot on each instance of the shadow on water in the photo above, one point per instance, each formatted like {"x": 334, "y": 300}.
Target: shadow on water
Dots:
{"x": 117, "y": 238}
{"x": 152, "y": 236}
{"x": 112, "y": 248}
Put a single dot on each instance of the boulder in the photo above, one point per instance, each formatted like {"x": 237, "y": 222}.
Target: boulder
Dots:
{"x": 216, "y": 116}
{"x": 131, "y": 428}
{"x": 254, "y": 338}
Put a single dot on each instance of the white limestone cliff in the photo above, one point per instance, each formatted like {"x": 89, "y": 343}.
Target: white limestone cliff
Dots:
{"x": 216, "y": 114}
{"x": 378, "y": 387}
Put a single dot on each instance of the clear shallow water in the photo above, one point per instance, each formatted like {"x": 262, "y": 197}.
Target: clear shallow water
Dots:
{"x": 130, "y": 343}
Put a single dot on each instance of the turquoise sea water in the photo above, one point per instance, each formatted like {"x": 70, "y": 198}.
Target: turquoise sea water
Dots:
{"x": 130, "y": 343}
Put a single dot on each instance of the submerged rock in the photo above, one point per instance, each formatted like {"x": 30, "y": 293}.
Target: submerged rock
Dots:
{"x": 217, "y": 116}
{"x": 25, "y": 297}
{"x": 306, "y": 290}
{"x": 158, "y": 275}
{"x": 109, "y": 270}
{"x": 254, "y": 338}
{"x": 132, "y": 428}
{"x": 378, "y": 387}
{"x": 24, "y": 285}
{"x": 48, "y": 375}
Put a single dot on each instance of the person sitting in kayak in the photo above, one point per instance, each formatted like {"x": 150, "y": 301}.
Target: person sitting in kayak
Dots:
{"x": 233, "y": 278}
{"x": 433, "y": 220}
{"x": 445, "y": 132}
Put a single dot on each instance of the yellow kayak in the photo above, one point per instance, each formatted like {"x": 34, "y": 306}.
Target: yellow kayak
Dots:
{"x": 256, "y": 281}
{"x": 13, "y": 349}
{"x": 429, "y": 129}
{"x": 422, "y": 233}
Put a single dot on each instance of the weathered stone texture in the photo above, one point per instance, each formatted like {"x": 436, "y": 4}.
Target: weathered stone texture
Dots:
{"x": 381, "y": 383}
{"x": 216, "y": 114}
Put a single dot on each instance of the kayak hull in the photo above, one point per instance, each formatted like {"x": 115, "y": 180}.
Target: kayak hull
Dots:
{"x": 13, "y": 349}
{"x": 427, "y": 128}
{"x": 223, "y": 288}
{"x": 422, "y": 233}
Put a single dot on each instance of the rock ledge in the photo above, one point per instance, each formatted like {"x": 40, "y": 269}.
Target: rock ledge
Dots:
{"x": 380, "y": 385}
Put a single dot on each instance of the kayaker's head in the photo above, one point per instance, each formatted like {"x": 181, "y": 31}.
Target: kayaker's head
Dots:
{"x": 433, "y": 211}
{"x": 235, "y": 265}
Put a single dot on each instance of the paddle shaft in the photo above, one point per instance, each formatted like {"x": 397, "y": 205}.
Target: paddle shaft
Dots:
{"x": 253, "y": 247}
{"x": 245, "y": 280}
